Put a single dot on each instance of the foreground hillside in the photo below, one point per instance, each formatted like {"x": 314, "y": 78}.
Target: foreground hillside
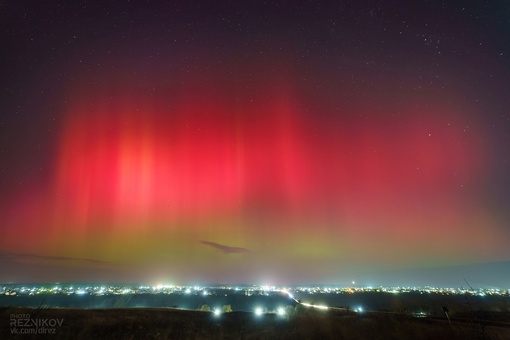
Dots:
{"x": 169, "y": 323}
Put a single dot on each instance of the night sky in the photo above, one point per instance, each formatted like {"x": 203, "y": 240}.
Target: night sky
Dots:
{"x": 278, "y": 142}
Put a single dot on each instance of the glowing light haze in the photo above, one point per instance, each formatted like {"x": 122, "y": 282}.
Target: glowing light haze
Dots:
{"x": 210, "y": 160}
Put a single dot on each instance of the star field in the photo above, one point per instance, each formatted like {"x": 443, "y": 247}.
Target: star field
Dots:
{"x": 321, "y": 141}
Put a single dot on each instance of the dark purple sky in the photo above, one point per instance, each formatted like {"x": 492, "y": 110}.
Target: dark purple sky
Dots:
{"x": 247, "y": 141}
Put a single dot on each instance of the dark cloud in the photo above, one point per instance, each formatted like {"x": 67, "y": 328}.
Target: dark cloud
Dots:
{"x": 225, "y": 249}
{"x": 33, "y": 258}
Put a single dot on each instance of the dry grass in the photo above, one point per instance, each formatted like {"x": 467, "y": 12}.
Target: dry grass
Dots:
{"x": 303, "y": 324}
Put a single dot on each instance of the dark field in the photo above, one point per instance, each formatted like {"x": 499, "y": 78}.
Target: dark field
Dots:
{"x": 301, "y": 322}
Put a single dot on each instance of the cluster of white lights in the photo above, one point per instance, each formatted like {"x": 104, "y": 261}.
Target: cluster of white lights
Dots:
{"x": 280, "y": 312}
{"x": 252, "y": 290}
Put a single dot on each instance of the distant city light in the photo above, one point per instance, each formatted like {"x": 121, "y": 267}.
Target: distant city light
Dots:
{"x": 289, "y": 294}
{"x": 315, "y": 306}
{"x": 280, "y": 310}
